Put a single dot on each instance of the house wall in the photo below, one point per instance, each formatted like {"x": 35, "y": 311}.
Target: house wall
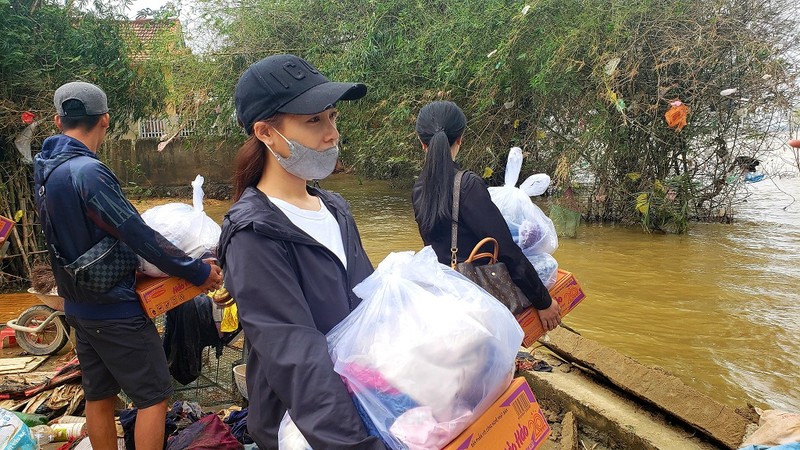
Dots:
{"x": 139, "y": 162}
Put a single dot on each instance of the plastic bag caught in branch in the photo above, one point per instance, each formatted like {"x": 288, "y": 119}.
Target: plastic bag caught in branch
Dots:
{"x": 186, "y": 227}
{"x": 676, "y": 115}
{"x": 23, "y": 141}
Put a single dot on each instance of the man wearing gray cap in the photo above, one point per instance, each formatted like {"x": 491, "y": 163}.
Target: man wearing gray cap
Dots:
{"x": 93, "y": 235}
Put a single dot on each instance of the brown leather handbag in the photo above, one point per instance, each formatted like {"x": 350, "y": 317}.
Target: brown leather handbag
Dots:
{"x": 493, "y": 277}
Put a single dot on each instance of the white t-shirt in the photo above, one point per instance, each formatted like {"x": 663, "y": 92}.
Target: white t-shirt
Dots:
{"x": 320, "y": 225}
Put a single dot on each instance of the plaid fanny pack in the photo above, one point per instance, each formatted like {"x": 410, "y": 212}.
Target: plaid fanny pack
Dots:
{"x": 103, "y": 266}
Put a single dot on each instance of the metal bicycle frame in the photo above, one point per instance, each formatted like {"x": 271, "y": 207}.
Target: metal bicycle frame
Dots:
{"x": 13, "y": 323}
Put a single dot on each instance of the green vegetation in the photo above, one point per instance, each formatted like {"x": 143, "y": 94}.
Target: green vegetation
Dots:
{"x": 581, "y": 85}
{"x": 44, "y": 45}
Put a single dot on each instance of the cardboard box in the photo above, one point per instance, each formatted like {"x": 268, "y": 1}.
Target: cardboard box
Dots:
{"x": 6, "y": 225}
{"x": 567, "y": 292}
{"x": 514, "y": 422}
{"x": 159, "y": 295}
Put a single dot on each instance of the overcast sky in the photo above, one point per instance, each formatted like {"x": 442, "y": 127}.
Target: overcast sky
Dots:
{"x": 138, "y": 5}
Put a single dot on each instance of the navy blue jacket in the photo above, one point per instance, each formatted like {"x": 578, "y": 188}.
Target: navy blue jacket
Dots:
{"x": 290, "y": 291}
{"x": 84, "y": 203}
{"x": 478, "y": 217}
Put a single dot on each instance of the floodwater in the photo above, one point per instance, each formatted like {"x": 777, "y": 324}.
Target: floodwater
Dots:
{"x": 717, "y": 307}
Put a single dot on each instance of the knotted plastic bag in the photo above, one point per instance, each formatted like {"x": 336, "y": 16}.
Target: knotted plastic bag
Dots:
{"x": 185, "y": 226}
{"x": 425, "y": 353}
{"x": 530, "y": 227}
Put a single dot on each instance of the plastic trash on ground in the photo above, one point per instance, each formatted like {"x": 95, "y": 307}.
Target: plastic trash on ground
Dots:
{"x": 185, "y": 226}
{"x": 425, "y": 353}
{"x": 776, "y": 427}
{"x": 42, "y": 434}
{"x": 14, "y": 434}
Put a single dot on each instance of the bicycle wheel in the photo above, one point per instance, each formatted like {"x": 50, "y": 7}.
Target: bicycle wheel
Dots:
{"x": 48, "y": 341}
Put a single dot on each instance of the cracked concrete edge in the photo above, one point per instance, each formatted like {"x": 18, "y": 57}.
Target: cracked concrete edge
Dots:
{"x": 615, "y": 433}
{"x": 660, "y": 388}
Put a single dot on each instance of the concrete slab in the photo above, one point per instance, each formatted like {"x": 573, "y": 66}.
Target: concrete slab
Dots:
{"x": 657, "y": 387}
{"x": 569, "y": 432}
{"x": 623, "y": 423}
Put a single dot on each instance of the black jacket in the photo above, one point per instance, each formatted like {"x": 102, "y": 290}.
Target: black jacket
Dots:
{"x": 478, "y": 217}
{"x": 84, "y": 203}
{"x": 290, "y": 291}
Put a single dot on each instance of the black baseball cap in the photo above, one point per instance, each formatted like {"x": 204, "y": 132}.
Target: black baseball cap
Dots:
{"x": 91, "y": 100}
{"x": 287, "y": 84}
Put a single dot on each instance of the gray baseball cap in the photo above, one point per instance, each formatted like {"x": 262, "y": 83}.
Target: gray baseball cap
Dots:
{"x": 93, "y": 101}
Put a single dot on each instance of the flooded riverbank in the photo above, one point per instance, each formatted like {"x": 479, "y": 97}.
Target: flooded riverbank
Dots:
{"x": 718, "y": 307}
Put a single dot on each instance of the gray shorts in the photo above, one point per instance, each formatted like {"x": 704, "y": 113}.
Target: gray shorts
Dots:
{"x": 122, "y": 353}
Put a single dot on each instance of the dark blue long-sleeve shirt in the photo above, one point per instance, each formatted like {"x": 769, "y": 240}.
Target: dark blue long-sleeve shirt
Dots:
{"x": 84, "y": 203}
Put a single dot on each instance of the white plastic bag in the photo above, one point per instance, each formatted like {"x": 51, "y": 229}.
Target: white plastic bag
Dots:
{"x": 187, "y": 227}
{"x": 536, "y": 184}
{"x": 426, "y": 352}
{"x": 776, "y": 427}
{"x": 290, "y": 437}
{"x": 533, "y": 231}
{"x": 14, "y": 434}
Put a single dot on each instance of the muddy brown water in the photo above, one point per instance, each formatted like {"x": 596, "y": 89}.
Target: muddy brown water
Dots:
{"x": 718, "y": 307}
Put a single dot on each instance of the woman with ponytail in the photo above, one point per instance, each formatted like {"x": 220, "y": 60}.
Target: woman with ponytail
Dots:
{"x": 292, "y": 254}
{"x": 440, "y": 128}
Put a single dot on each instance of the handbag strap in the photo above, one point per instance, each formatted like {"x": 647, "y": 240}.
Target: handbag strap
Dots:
{"x": 454, "y": 231}
{"x": 454, "y": 218}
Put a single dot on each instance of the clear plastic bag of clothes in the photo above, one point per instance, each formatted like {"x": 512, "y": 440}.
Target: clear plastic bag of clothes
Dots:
{"x": 425, "y": 353}
{"x": 546, "y": 267}
{"x": 532, "y": 230}
{"x": 185, "y": 226}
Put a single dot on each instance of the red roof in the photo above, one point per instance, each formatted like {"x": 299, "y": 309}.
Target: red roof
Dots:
{"x": 147, "y": 31}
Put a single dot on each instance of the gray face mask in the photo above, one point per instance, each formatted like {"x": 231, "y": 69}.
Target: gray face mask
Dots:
{"x": 307, "y": 163}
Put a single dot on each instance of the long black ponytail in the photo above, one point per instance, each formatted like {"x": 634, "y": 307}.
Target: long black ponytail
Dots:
{"x": 439, "y": 125}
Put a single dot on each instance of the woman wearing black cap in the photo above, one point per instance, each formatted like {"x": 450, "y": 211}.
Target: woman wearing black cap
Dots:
{"x": 440, "y": 127}
{"x": 292, "y": 253}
